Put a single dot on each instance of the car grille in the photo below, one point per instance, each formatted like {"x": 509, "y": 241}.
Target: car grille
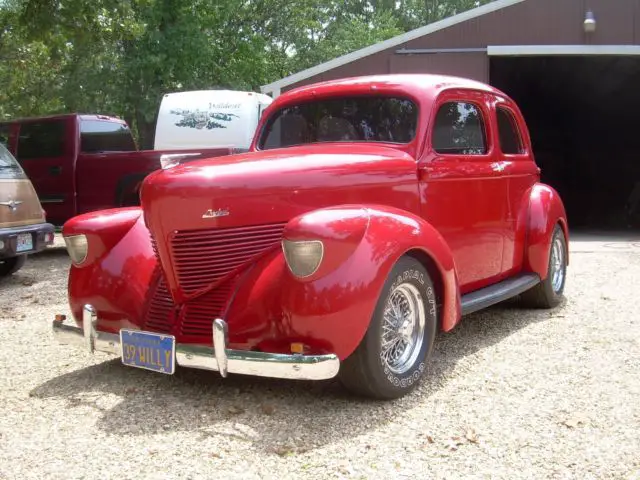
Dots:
{"x": 160, "y": 313}
{"x": 195, "y": 318}
{"x": 202, "y": 257}
{"x": 198, "y": 315}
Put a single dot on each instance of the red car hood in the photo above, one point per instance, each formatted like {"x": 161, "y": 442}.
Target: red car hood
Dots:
{"x": 210, "y": 217}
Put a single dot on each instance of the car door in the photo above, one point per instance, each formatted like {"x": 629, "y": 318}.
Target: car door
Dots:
{"x": 463, "y": 190}
{"x": 520, "y": 172}
{"x": 47, "y": 155}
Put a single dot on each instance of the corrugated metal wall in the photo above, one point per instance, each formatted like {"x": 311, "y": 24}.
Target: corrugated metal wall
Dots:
{"x": 532, "y": 22}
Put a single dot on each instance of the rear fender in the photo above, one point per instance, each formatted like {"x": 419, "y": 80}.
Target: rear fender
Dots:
{"x": 545, "y": 211}
{"x": 332, "y": 308}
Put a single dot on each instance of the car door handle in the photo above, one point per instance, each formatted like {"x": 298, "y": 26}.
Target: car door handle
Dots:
{"x": 55, "y": 170}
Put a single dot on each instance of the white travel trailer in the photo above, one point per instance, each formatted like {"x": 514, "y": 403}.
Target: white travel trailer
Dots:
{"x": 208, "y": 119}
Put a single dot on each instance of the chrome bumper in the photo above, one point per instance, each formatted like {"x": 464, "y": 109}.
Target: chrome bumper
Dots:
{"x": 219, "y": 358}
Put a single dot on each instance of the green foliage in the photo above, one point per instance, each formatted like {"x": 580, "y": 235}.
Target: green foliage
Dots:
{"x": 120, "y": 56}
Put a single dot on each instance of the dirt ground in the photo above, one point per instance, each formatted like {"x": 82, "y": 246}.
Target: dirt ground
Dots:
{"x": 511, "y": 393}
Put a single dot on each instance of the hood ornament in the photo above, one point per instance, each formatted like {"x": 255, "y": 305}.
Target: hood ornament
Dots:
{"x": 12, "y": 204}
{"x": 211, "y": 213}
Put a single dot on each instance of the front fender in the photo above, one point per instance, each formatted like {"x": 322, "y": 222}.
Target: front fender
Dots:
{"x": 116, "y": 282}
{"x": 331, "y": 310}
{"x": 546, "y": 210}
{"x": 103, "y": 229}
{"x": 393, "y": 233}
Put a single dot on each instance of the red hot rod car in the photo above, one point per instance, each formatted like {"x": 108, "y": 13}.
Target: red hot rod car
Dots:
{"x": 368, "y": 213}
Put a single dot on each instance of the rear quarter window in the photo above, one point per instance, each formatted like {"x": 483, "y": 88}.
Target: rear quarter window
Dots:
{"x": 44, "y": 139}
{"x": 510, "y": 141}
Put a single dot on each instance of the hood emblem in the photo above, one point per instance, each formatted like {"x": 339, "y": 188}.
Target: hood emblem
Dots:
{"x": 12, "y": 204}
{"x": 211, "y": 213}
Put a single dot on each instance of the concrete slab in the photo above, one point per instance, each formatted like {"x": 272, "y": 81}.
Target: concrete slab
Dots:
{"x": 605, "y": 242}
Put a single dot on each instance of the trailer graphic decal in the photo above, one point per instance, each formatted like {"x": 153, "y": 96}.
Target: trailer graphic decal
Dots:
{"x": 199, "y": 119}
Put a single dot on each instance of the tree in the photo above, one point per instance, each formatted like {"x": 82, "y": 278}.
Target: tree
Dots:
{"x": 120, "y": 56}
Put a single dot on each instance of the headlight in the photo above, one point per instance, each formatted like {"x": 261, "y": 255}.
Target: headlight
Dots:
{"x": 303, "y": 257}
{"x": 77, "y": 247}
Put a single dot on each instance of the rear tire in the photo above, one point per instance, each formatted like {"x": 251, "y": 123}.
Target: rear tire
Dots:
{"x": 9, "y": 266}
{"x": 390, "y": 359}
{"x": 549, "y": 292}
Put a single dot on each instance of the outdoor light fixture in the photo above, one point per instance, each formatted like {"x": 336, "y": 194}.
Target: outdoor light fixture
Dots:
{"x": 589, "y": 22}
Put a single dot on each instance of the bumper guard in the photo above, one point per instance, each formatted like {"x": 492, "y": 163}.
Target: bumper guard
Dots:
{"x": 219, "y": 358}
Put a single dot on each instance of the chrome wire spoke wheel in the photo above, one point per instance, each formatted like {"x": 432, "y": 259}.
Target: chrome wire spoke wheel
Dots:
{"x": 557, "y": 265}
{"x": 403, "y": 328}
{"x": 390, "y": 359}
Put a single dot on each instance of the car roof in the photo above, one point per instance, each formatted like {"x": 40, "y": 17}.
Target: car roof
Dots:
{"x": 415, "y": 84}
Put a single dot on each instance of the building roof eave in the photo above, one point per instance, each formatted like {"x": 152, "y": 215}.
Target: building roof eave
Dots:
{"x": 496, "y": 5}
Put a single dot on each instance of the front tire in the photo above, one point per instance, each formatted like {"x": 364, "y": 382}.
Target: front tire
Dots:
{"x": 390, "y": 359}
{"x": 549, "y": 292}
{"x": 11, "y": 265}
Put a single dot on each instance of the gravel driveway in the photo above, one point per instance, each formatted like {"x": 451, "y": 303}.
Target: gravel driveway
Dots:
{"x": 512, "y": 393}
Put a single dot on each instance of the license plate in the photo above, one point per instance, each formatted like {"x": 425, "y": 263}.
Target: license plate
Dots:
{"x": 24, "y": 242}
{"x": 151, "y": 351}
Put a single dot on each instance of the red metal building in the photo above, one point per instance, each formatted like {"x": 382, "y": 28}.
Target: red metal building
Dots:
{"x": 572, "y": 65}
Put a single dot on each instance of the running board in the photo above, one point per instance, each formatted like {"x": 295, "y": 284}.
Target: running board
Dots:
{"x": 485, "y": 297}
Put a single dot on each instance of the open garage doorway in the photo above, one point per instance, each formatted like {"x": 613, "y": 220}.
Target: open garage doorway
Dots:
{"x": 583, "y": 114}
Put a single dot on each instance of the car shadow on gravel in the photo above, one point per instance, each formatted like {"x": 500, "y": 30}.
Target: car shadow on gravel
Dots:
{"x": 36, "y": 264}
{"x": 276, "y": 416}
{"x": 36, "y": 283}
{"x": 55, "y": 251}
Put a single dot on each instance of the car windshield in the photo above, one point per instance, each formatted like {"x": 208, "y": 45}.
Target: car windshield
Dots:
{"x": 9, "y": 166}
{"x": 343, "y": 119}
{"x": 104, "y": 136}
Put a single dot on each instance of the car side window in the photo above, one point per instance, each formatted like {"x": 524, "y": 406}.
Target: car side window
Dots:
{"x": 510, "y": 141}
{"x": 41, "y": 139}
{"x": 459, "y": 130}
